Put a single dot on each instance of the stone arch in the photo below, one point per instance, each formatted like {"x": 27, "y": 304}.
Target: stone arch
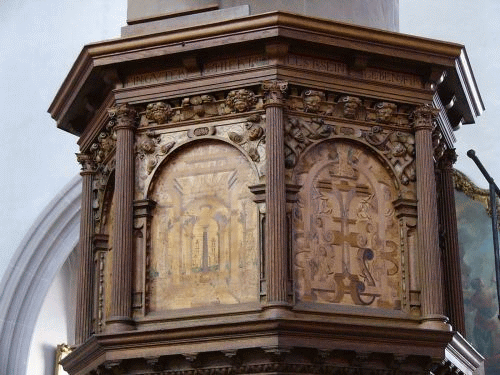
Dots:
{"x": 39, "y": 257}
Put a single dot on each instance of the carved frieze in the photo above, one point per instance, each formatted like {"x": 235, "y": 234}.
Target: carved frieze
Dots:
{"x": 338, "y": 105}
{"x": 346, "y": 234}
{"x": 200, "y": 107}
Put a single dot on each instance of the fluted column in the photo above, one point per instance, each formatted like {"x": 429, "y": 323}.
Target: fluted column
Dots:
{"x": 428, "y": 232}
{"x": 84, "y": 300}
{"x": 454, "y": 300}
{"x": 275, "y": 244}
{"x": 121, "y": 288}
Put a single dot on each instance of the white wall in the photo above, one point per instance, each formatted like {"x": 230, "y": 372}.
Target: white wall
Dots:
{"x": 56, "y": 321}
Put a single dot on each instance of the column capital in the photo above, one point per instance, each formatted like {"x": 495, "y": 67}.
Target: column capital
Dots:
{"x": 448, "y": 158}
{"x": 87, "y": 162}
{"x": 423, "y": 117}
{"x": 124, "y": 115}
{"x": 274, "y": 92}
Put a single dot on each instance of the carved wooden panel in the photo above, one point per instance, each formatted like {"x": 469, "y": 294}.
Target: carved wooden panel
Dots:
{"x": 204, "y": 230}
{"x": 346, "y": 238}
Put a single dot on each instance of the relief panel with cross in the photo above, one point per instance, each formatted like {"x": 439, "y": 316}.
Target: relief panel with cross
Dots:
{"x": 345, "y": 233}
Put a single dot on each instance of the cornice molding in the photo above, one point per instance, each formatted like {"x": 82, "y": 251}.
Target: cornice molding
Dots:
{"x": 95, "y": 58}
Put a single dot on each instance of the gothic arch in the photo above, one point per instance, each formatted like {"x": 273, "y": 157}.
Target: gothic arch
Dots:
{"x": 42, "y": 252}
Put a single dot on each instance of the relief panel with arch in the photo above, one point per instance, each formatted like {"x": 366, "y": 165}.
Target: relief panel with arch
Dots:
{"x": 345, "y": 232}
{"x": 204, "y": 229}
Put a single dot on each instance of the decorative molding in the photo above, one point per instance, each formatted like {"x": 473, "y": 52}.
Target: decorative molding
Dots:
{"x": 464, "y": 184}
{"x": 341, "y": 105}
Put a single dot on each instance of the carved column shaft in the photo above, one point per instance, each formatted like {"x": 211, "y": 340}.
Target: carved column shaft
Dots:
{"x": 84, "y": 300}
{"x": 428, "y": 231}
{"x": 121, "y": 290}
{"x": 276, "y": 231}
{"x": 454, "y": 301}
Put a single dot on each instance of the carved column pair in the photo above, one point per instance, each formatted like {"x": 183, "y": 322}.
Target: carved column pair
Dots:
{"x": 276, "y": 230}
{"x": 431, "y": 275}
{"x": 121, "y": 290}
{"x": 454, "y": 301}
{"x": 84, "y": 300}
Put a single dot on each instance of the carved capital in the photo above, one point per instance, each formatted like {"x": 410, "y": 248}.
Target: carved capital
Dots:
{"x": 448, "y": 158}
{"x": 87, "y": 162}
{"x": 274, "y": 91}
{"x": 423, "y": 117}
{"x": 124, "y": 115}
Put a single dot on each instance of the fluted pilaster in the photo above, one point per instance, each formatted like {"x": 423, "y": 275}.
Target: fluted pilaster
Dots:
{"x": 276, "y": 231}
{"x": 84, "y": 300}
{"x": 121, "y": 289}
{"x": 428, "y": 232}
{"x": 454, "y": 301}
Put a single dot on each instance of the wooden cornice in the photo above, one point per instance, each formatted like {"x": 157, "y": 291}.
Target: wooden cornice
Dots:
{"x": 278, "y": 333}
{"x": 96, "y": 58}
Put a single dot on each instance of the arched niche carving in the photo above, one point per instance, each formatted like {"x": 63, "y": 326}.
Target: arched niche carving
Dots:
{"x": 346, "y": 236}
{"x": 203, "y": 237}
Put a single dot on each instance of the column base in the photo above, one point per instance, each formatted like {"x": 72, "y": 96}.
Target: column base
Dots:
{"x": 278, "y": 310}
{"x": 435, "y": 321}
{"x": 119, "y": 324}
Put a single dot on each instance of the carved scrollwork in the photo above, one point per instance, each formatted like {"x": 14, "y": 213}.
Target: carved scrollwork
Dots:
{"x": 399, "y": 148}
{"x": 150, "y": 147}
{"x": 299, "y": 133}
{"x": 251, "y": 138}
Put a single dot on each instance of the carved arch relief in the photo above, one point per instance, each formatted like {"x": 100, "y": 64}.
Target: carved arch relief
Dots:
{"x": 345, "y": 232}
{"x": 204, "y": 229}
